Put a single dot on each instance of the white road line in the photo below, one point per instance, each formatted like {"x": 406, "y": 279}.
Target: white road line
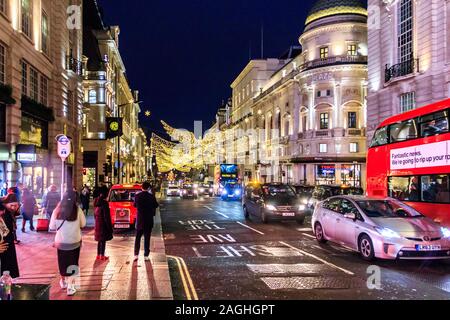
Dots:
{"x": 209, "y": 208}
{"x": 308, "y": 235}
{"x": 317, "y": 258}
{"x": 304, "y": 229}
{"x": 222, "y": 214}
{"x": 248, "y": 227}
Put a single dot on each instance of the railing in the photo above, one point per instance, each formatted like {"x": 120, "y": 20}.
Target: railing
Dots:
{"x": 355, "y": 132}
{"x": 401, "y": 69}
{"x": 332, "y": 61}
{"x": 74, "y": 65}
{"x": 322, "y": 133}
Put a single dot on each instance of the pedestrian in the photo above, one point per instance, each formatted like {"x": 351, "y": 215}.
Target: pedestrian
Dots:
{"x": 28, "y": 208}
{"x": 16, "y": 191}
{"x": 50, "y": 201}
{"x": 103, "y": 225}
{"x": 68, "y": 220}
{"x": 9, "y": 206}
{"x": 146, "y": 205}
{"x": 85, "y": 198}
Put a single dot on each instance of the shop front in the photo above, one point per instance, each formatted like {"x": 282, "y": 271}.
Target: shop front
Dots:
{"x": 325, "y": 174}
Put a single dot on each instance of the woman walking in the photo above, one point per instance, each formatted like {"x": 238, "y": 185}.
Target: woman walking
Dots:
{"x": 28, "y": 208}
{"x": 68, "y": 220}
{"x": 85, "y": 198}
{"x": 9, "y": 205}
{"x": 103, "y": 225}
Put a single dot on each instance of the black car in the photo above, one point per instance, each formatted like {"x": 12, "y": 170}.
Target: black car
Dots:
{"x": 188, "y": 191}
{"x": 206, "y": 189}
{"x": 273, "y": 201}
{"x": 324, "y": 192}
{"x": 305, "y": 193}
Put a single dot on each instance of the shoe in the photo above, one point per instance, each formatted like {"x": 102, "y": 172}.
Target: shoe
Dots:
{"x": 32, "y": 228}
{"x": 99, "y": 258}
{"x": 71, "y": 290}
{"x": 63, "y": 284}
{"x": 104, "y": 258}
{"x": 136, "y": 258}
{"x": 23, "y": 230}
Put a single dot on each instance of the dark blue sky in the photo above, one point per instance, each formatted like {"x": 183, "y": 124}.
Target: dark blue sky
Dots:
{"x": 183, "y": 55}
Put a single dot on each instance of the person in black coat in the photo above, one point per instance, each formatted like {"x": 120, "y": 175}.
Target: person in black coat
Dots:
{"x": 9, "y": 206}
{"x": 103, "y": 225}
{"x": 146, "y": 205}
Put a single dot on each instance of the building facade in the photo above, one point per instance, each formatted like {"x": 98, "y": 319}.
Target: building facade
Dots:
{"x": 40, "y": 90}
{"x": 404, "y": 73}
{"x": 302, "y": 118}
{"x": 107, "y": 93}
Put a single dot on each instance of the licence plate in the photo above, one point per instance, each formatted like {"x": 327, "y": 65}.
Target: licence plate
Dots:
{"x": 420, "y": 247}
{"x": 288, "y": 214}
{"x": 122, "y": 226}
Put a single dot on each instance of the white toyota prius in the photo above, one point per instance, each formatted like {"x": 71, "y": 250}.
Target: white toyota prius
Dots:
{"x": 380, "y": 228}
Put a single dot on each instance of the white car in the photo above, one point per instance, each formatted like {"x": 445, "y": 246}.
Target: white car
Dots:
{"x": 173, "y": 191}
{"x": 380, "y": 228}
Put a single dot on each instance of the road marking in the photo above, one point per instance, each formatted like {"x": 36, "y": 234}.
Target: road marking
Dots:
{"x": 308, "y": 235}
{"x": 185, "y": 278}
{"x": 304, "y": 229}
{"x": 209, "y": 208}
{"x": 319, "y": 259}
{"x": 248, "y": 227}
{"x": 222, "y": 214}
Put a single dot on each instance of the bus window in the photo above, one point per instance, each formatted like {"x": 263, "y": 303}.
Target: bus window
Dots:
{"x": 436, "y": 188}
{"x": 433, "y": 124}
{"x": 403, "y": 131}
{"x": 380, "y": 138}
{"x": 404, "y": 188}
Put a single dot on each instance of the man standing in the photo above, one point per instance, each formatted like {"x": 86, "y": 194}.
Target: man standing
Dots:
{"x": 146, "y": 205}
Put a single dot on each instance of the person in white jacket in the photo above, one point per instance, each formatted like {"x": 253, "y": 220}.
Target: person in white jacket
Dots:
{"x": 68, "y": 220}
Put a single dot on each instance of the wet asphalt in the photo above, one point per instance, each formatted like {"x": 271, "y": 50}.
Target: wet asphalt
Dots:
{"x": 230, "y": 258}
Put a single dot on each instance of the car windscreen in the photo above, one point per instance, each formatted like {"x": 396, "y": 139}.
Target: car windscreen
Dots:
{"x": 387, "y": 209}
{"x": 122, "y": 195}
{"x": 275, "y": 191}
{"x": 173, "y": 188}
{"x": 353, "y": 191}
{"x": 305, "y": 191}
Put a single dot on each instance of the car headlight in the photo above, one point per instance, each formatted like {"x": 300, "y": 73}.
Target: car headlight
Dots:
{"x": 211, "y": 190}
{"x": 387, "y": 233}
{"x": 302, "y": 207}
{"x": 271, "y": 207}
{"x": 237, "y": 192}
{"x": 305, "y": 201}
{"x": 445, "y": 232}
{"x": 224, "y": 192}
{"x": 202, "y": 190}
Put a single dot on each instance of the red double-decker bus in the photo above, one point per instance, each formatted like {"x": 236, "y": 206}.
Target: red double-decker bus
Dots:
{"x": 409, "y": 160}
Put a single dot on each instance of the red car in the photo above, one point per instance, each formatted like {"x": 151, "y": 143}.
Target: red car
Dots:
{"x": 121, "y": 199}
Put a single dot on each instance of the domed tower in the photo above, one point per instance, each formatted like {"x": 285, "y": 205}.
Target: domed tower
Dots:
{"x": 333, "y": 88}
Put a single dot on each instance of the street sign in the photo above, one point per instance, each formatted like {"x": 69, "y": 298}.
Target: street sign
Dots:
{"x": 64, "y": 147}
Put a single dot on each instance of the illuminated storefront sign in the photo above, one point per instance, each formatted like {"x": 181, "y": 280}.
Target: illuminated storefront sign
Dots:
{"x": 26, "y": 157}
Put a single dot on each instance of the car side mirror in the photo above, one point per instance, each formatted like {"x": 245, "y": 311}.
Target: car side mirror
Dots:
{"x": 350, "y": 216}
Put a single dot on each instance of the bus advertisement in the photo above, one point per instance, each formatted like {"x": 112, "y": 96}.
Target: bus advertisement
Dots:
{"x": 223, "y": 174}
{"x": 409, "y": 160}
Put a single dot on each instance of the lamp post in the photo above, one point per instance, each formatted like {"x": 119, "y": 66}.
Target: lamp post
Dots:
{"x": 119, "y": 171}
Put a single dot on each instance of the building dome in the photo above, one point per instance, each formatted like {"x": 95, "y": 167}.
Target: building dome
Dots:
{"x": 327, "y": 8}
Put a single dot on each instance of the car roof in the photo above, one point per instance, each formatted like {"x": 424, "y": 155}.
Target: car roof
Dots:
{"x": 359, "y": 197}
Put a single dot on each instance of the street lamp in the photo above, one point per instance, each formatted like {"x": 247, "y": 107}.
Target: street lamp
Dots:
{"x": 119, "y": 171}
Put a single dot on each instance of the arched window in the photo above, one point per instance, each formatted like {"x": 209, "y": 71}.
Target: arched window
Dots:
{"x": 92, "y": 96}
{"x": 287, "y": 130}
{"x": 278, "y": 123}
{"x": 303, "y": 120}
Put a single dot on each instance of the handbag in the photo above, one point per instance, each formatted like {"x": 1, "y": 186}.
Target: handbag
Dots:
{"x": 36, "y": 210}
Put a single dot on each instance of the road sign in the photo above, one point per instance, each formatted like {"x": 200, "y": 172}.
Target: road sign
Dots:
{"x": 64, "y": 147}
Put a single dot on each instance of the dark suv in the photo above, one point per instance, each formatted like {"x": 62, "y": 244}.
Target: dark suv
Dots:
{"x": 272, "y": 201}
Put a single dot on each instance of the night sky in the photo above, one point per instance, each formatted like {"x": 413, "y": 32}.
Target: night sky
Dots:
{"x": 183, "y": 55}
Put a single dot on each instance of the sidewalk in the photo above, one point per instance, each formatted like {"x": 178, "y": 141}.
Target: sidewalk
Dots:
{"x": 117, "y": 279}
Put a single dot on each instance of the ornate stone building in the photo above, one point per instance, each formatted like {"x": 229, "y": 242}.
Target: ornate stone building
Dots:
{"x": 307, "y": 109}
{"x": 40, "y": 90}
{"x": 409, "y": 67}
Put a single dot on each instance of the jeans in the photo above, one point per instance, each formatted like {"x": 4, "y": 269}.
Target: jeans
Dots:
{"x": 101, "y": 248}
{"x": 137, "y": 244}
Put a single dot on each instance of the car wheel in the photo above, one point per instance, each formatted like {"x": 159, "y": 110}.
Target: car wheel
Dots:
{"x": 366, "y": 248}
{"x": 264, "y": 217}
{"x": 318, "y": 231}
{"x": 301, "y": 221}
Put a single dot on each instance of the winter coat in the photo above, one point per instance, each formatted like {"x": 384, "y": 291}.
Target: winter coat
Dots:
{"x": 50, "y": 201}
{"x": 28, "y": 206}
{"x": 103, "y": 224}
{"x": 85, "y": 197}
{"x": 8, "y": 259}
{"x": 146, "y": 206}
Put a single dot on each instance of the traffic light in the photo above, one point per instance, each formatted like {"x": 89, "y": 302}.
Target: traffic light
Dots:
{"x": 113, "y": 127}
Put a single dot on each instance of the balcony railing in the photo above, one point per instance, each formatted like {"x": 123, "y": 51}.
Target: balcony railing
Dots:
{"x": 401, "y": 69}
{"x": 322, "y": 133}
{"x": 355, "y": 132}
{"x": 333, "y": 61}
{"x": 74, "y": 65}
